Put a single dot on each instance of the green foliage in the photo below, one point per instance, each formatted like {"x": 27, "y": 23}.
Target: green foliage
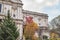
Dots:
{"x": 8, "y": 29}
{"x": 29, "y": 31}
{"x": 55, "y": 24}
{"x": 54, "y": 39}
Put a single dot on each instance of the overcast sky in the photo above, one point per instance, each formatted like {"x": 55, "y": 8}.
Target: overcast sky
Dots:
{"x": 50, "y": 7}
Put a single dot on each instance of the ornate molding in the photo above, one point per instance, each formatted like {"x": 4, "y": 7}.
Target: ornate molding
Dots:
{"x": 36, "y": 13}
{"x": 11, "y": 3}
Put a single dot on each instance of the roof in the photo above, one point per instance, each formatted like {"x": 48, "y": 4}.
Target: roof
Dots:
{"x": 35, "y": 13}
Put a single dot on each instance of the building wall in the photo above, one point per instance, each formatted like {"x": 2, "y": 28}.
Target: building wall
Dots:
{"x": 14, "y": 8}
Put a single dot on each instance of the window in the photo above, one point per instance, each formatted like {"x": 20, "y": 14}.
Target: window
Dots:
{"x": 0, "y": 7}
{"x": 39, "y": 19}
{"x": 13, "y": 15}
{"x": 45, "y": 37}
{"x": 0, "y": 20}
{"x": 39, "y": 23}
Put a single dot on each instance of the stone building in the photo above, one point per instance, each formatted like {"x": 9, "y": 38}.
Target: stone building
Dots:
{"x": 41, "y": 19}
{"x": 18, "y": 15}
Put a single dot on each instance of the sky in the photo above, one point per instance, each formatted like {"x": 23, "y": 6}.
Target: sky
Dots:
{"x": 50, "y": 7}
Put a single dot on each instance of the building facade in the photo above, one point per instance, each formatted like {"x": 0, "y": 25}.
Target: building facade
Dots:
{"x": 41, "y": 19}
{"x": 18, "y": 15}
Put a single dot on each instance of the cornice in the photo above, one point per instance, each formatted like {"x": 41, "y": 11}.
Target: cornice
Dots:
{"x": 11, "y": 3}
{"x": 35, "y": 13}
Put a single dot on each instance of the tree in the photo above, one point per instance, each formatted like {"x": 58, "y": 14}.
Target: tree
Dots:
{"x": 29, "y": 29}
{"x": 55, "y": 23}
{"x": 9, "y": 29}
{"x": 1, "y": 32}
